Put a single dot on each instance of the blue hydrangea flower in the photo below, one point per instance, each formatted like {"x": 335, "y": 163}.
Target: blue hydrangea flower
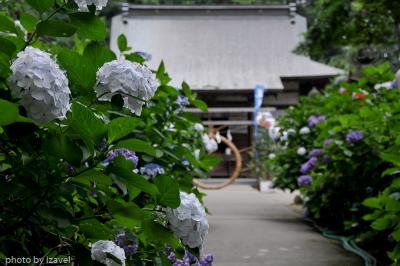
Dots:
{"x": 308, "y": 166}
{"x": 152, "y": 170}
{"x": 185, "y": 162}
{"x": 328, "y": 142}
{"x": 128, "y": 155}
{"x": 182, "y": 101}
{"x": 128, "y": 242}
{"x": 304, "y": 180}
{"x": 393, "y": 85}
{"x": 354, "y": 136}
{"x": 315, "y": 120}
{"x": 316, "y": 153}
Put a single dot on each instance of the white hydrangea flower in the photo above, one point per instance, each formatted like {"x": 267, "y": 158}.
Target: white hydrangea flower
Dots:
{"x": 301, "y": 151}
{"x": 40, "y": 84}
{"x": 274, "y": 133}
{"x": 304, "y": 131}
{"x": 198, "y": 127}
{"x": 285, "y": 136}
{"x": 189, "y": 221}
{"x": 102, "y": 247}
{"x": 291, "y": 131}
{"x": 83, "y": 4}
{"x": 196, "y": 154}
{"x": 210, "y": 144}
{"x": 271, "y": 156}
{"x": 130, "y": 80}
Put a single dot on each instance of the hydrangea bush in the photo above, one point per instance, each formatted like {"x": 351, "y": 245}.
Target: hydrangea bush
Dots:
{"x": 94, "y": 151}
{"x": 348, "y": 180}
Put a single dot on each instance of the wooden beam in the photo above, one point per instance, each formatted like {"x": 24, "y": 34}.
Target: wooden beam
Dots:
{"x": 228, "y": 122}
{"x": 230, "y": 110}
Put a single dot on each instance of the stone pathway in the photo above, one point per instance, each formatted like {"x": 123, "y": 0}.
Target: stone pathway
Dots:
{"x": 249, "y": 228}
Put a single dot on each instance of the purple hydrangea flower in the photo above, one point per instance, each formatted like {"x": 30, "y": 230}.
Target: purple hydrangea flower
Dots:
{"x": 128, "y": 155}
{"x": 70, "y": 169}
{"x": 308, "y": 166}
{"x": 180, "y": 263}
{"x": 326, "y": 159}
{"x": 182, "y": 101}
{"x": 315, "y": 120}
{"x": 152, "y": 170}
{"x": 189, "y": 257}
{"x": 354, "y": 136}
{"x": 316, "y": 153}
{"x": 207, "y": 260}
{"x": 128, "y": 242}
{"x": 304, "y": 180}
{"x": 103, "y": 144}
{"x": 170, "y": 254}
{"x": 328, "y": 142}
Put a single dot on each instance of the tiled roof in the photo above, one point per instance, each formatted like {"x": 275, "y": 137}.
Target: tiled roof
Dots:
{"x": 229, "y": 48}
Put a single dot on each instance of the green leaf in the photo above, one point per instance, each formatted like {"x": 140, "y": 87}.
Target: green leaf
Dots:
{"x": 121, "y": 126}
{"x": 391, "y": 157}
{"x": 7, "y": 47}
{"x": 127, "y": 213}
{"x": 162, "y": 75}
{"x": 381, "y": 224}
{"x": 6, "y": 24}
{"x": 80, "y": 71}
{"x": 5, "y": 70}
{"x": 137, "y": 145}
{"x": 91, "y": 129}
{"x": 89, "y": 25}
{"x": 372, "y": 203}
{"x": 133, "y": 57}
{"x": 135, "y": 180}
{"x": 28, "y": 21}
{"x": 98, "y": 54}
{"x": 186, "y": 90}
{"x": 61, "y": 147}
{"x": 10, "y": 114}
{"x": 169, "y": 191}
{"x": 122, "y": 43}
{"x": 60, "y": 216}
{"x": 157, "y": 233}
{"x": 41, "y": 5}
{"x": 201, "y": 105}
{"x": 55, "y": 28}
{"x": 91, "y": 175}
{"x": 396, "y": 235}
{"x": 94, "y": 230}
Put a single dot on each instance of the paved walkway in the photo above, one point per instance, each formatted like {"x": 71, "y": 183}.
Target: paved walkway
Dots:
{"x": 249, "y": 228}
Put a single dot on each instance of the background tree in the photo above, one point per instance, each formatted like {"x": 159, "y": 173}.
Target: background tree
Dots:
{"x": 352, "y": 32}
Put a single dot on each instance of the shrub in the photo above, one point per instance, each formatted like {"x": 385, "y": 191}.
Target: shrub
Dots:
{"x": 77, "y": 167}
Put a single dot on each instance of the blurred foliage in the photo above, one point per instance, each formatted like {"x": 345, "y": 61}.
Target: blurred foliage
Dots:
{"x": 356, "y": 191}
{"x": 348, "y": 33}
